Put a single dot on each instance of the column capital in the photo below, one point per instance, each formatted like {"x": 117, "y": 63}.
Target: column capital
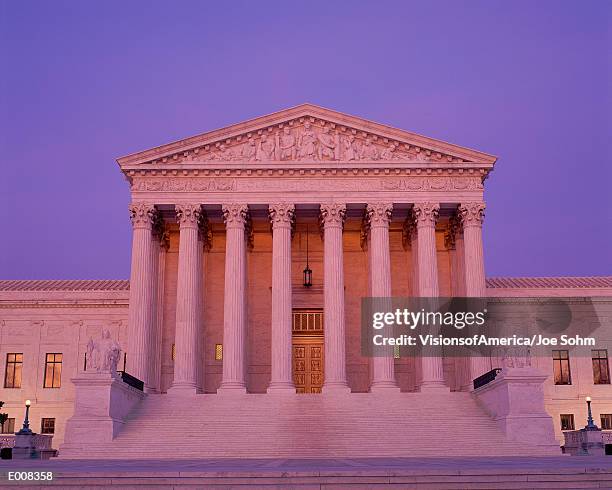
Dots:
{"x": 332, "y": 214}
{"x": 235, "y": 215}
{"x": 472, "y": 213}
{"x": 188, "y": 215}
{"x": 378, "y": 214}
{"x": 142, "y": 214}
{"x": 425, "y": 213}
{"x": 282, "y": 215}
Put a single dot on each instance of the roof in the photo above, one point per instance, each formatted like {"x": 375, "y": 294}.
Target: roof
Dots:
{"x": 549, "y": 282}
{"x": 66, "y": 285}
{"x": 492, "y": 282}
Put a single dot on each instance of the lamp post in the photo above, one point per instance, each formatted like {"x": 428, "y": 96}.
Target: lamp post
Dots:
{"x": 590, "y": 423}
{"x": 25, "y": 430}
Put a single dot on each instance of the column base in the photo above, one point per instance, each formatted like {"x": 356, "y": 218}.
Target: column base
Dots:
{"x": 335, "y": 388}
{"x": 384, "y": 387}
{"x": 434, "y": 387}
{"x": 281, "y": 388}
{"x": 183, "y": 390}
{"x": 231, "y": 388}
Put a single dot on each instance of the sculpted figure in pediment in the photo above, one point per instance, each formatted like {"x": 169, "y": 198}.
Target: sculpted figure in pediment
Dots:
{"x": 287, "y": 145}
{"x": 369, "y": 151}
{"x": 388, "y": 153}
{"x": 249, "y": 149}
{"x": 265, "y": 150}
{"x": 307, "y": 143}
{"x": 351, "y": 152}
{"x": 327, "y": 144}
{"x": 225, "y": 153}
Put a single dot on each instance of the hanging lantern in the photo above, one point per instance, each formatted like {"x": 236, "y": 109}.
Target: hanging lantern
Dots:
{"x": 307, "y": 270}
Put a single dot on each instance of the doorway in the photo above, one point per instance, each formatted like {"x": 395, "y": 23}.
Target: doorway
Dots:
{"x": 308, "y": 350}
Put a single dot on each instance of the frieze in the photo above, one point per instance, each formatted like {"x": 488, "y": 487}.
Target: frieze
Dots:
{"x": 299, "y": 184}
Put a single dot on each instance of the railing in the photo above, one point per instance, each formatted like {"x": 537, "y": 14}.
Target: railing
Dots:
{"x": 41, "y": 441}
{"x": 307, "y": 321}
{"x": 131, "y": 380}
{"x": 486, "y": 378}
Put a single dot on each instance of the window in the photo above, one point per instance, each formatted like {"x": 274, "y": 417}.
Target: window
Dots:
{"x": 173, "y": 352}
{"x": 606, "y": 421}
{"x": 12, "y": 374}
{"x": 567, "y": 421}
{"x": 8, "y": 427}
{"x": 218, "y": 352}
{"x": 47, "y": 426}
{"x": 53, "y": 371}
{"x": 601, "y": 372}
{"x": 561, "y": 366}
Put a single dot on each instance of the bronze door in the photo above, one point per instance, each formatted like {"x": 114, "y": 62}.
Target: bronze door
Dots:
{"x": 308, "y": 364}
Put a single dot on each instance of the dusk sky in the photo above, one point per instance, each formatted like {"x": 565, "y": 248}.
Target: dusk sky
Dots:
{"x": 83, "y": 83}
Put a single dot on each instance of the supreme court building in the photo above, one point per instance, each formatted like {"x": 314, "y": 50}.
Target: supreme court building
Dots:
{"x": 252, "y": 248}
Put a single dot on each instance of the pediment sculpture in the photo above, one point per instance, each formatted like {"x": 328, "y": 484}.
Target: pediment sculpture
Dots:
{"x": 315, "y": 141}
{"x": 103, "y": 354}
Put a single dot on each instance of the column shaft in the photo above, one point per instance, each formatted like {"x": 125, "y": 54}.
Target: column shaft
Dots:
{"x": 379, "y": 216}
{"x": 281, "y": 216}
{"x": 187, "y": 339}
{"x": 426, "y": 215}
{"x": 332, "y": 217}
{"x": 234, "y": 309}
{"x": 472, "y": 217}
{"x": 141, "y": 277}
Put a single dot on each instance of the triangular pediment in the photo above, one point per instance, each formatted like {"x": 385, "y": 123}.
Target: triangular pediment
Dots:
{"x": 307, "y": 133}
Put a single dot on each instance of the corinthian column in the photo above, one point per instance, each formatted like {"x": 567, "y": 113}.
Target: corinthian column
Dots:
{"x": 234, "y": 308}
{"x": 281, "y": 216}
{"x": 378, "y": 216}
{"x": 472, "y": 217}
{"x": 425, "y": 216}
{"x": 187, "y": 336}
{"x": 332, "y": 219}
{"x": 141, "y": 296}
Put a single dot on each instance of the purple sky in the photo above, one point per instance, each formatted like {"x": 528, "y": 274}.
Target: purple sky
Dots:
{"x": 82, "y": 83}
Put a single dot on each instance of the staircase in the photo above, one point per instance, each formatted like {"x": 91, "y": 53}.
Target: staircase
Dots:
{"x": 308, "y": 426}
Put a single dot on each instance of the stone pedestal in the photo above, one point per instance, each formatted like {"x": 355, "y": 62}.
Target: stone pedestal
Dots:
{"x": 584, "y": 442}
{"x": 102, "y": 403}
{"x": 515, "y": 400}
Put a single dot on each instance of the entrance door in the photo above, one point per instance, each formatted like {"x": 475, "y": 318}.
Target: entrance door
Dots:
{"x": 308, "y": 350}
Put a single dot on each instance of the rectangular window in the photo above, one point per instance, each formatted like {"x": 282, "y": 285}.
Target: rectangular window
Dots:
{"x": 8, "y": 427}
{"x": 601, "y": 371}
{"x": 47, "y": 426}
{"x": 567, "y": 421}
{"x": 218, "y": 352}
{"x": 173, "y": 352}
{"x": 606, "y": 421}
{"x": 12, "y": 374}
{"x": 561, "y": 367}
{"x": 53, "y": 370}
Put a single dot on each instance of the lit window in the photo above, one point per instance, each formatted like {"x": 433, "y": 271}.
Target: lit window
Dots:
{"x": 606, "y": 421}
{"x": 601, "y": 372}
{"x": 218, "y": 352}
{"x": 396, "y": 351}
{"x": 47, "y": 426}
{"x": 12, "y": 374}
{"x": 53, "y": 370}
{"x": 173, "y": 352}
{"x": 8, "y": 427}
{"x": 561, "y": 366}
{"x": 567, "y": 421}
